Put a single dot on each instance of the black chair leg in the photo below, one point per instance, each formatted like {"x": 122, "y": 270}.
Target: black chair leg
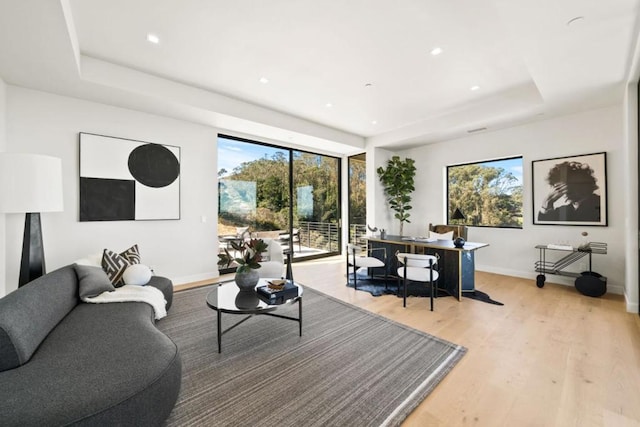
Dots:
{"x": 432, "y": 294}
{"x": 347, "y": 273}
{"x": 355, "y": 278}
{"x": 404, "y": 293}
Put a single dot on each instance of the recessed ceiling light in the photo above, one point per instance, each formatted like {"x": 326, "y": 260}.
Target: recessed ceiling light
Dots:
{"x": 153, "y": 38}
{"x": 374, "y": 122}
{"x": 328, "y": 105}
{"x": 474, "y": 88}
{"x": 436, "y": 51}
{"x": 264, "y": 80}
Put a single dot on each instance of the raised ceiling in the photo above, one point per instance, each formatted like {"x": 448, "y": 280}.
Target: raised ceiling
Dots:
{"x": 369, "y": 59}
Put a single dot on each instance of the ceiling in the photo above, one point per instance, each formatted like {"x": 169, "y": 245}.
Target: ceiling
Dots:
{"x": 341, "y": 74}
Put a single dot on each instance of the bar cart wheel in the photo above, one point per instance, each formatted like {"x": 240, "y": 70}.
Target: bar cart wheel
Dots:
{"x": 540, "y": 278}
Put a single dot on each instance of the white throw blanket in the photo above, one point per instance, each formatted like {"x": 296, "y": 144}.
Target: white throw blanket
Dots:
{"x": 132, "y": 293}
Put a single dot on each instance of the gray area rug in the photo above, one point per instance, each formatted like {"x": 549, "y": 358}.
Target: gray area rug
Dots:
{"x": 349, "y": 368}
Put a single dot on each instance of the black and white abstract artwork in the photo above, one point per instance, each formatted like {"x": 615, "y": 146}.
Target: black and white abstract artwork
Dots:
{"x": 126, "y": 180}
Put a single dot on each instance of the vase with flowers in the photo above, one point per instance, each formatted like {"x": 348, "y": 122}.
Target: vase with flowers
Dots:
{"x": 248, "y": 262}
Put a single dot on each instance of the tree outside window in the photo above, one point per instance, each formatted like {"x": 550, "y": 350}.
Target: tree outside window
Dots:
{"x": 488, "y": 193}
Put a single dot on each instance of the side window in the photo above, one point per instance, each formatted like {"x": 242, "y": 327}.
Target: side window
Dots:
{"x": 486, "y": 194}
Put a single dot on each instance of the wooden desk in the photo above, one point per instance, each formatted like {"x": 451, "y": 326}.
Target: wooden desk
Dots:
{"x": 457, "y": 265}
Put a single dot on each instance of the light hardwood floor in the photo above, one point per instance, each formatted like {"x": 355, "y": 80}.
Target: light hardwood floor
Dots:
{"x": 548, "y": 357}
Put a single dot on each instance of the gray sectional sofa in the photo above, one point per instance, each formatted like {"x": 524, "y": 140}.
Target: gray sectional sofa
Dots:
{"x": 66, "y": 362}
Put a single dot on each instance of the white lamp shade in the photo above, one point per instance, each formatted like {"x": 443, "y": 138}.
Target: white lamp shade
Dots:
{"x": 30, "y": 183}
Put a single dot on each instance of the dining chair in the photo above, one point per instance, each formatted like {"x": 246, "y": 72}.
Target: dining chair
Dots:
{"x": 417, "y": 268}
{"x": 272, "y": 264}
{"x": 357, "y": 258}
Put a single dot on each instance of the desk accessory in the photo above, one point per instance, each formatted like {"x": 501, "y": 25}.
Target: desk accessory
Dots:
{"x": 271, "y": 296}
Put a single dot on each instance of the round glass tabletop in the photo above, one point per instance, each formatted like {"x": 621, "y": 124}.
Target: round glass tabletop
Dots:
{"x": 228, "y": 298}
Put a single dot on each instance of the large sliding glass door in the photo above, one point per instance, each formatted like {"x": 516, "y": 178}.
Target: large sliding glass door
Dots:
{"x": 275, "y": 192}
{"x": 316, "y": 213}
{"x": 253, "y": 182}
{"x": 357, "y": 199}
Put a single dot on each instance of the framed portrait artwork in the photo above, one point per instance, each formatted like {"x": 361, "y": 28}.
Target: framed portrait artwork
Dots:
{"x": 570, "y": 190}
{"x": 127, "y": 180}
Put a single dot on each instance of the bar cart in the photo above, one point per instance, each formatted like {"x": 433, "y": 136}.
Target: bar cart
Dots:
{"x": 587, "y": 282}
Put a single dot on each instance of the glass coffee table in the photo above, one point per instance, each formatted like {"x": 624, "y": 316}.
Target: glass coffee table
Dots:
{"x": 227, "y": 298}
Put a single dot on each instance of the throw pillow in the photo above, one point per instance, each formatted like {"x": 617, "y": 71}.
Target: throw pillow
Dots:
{"x": 92, "y": 281}
{"x": 444, "y": 236}
{"x": 115, "y": 264}
{"x": 92, "y": 259}
{"x": 137, "y": 274}
{"x": 132, "y": 255}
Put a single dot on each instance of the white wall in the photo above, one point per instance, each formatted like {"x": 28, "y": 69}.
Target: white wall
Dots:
{"x": 631, "y": 192}
{"x": 183, "y": 250}
{"x": 3, "y": 146}
{"x": 186, "y": 250}
{"x": 376, "y": 215}
{"x": 512, "y": 251}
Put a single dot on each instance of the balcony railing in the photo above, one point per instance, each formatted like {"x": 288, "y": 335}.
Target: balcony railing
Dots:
{"x": 324, "y": 236}
{"x": 357, "y": 235}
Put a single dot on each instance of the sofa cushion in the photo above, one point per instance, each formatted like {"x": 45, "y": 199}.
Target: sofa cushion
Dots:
{"x": 87, "y": 374}
{"x": 92, "y": 281}
{"x": 165, "y": 285}
{"x": 91, "y": 259}
{"x": 29, "y": 313}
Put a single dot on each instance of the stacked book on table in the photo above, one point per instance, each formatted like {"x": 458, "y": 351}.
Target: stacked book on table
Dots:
{"x": 277, "y": 294}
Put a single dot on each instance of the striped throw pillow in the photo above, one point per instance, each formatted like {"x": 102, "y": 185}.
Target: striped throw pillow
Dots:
{"x": 114, "y": 264}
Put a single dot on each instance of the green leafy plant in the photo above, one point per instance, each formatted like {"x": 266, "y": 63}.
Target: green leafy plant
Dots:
{"x": 398, "y": 182}
{"x": 250, "y": 255}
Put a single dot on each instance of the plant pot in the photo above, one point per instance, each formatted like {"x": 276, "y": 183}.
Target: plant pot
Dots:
{"x": 247, "y": 300}
{"x": 247, "y": 281}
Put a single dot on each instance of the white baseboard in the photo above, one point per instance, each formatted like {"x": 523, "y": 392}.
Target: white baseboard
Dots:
{"x": 212, "y": 275}
{"x": 632, "y": 307}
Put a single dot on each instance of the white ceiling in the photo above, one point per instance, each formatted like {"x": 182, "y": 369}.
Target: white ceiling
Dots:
{"x": 528, "y": 62}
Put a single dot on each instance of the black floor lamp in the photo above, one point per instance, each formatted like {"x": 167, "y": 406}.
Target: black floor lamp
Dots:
{"x": 30, "y": 184}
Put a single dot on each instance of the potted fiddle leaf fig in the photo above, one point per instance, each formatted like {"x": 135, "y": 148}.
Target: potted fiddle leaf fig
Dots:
{"x": 398, "y": 182}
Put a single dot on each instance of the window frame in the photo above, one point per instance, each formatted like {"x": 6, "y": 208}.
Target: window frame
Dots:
{"x": 447, "y": 201}
{"x": 290, "y": 152}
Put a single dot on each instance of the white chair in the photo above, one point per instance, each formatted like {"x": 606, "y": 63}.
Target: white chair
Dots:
{"x": 274, "y": 267}
{"x": 417, "y": 268}
{"x": 356, "y": 260}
